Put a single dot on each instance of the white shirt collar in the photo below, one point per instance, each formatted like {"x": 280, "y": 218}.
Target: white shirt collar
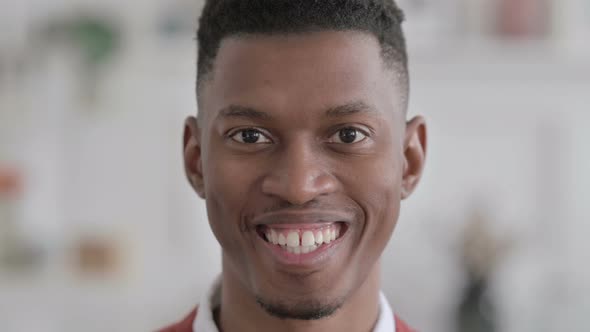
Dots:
{"x": 205, "y": 322}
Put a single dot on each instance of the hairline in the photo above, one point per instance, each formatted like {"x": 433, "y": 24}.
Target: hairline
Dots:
{"x": 398, "y": 68}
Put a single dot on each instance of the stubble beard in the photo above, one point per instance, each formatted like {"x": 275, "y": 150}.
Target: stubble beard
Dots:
{"x": 307, "y": 310}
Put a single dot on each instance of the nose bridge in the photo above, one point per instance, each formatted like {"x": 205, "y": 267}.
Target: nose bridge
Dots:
{"x": 300, "y": 173}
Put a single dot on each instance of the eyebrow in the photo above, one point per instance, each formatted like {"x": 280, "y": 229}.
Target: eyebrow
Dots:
{"x": 237, "y": 111}
{"x": 350, "y": 109}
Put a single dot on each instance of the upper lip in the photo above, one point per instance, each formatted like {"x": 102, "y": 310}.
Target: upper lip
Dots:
{"x": 301, "y": 217}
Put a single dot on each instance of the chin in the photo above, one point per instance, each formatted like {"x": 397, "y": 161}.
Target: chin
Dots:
{"x": 301, "y": 309}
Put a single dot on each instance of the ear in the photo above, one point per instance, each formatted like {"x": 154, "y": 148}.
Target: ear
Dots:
{"x": 193, "y": 164}
{"x": 414, "y": 155}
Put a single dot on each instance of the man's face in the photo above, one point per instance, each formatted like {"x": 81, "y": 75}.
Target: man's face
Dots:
{"x": 301, "y": 155}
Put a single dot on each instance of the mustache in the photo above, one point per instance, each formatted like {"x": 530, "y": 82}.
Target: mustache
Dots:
{"x": 311, "y": 212}
{"x": 315, "y": 204}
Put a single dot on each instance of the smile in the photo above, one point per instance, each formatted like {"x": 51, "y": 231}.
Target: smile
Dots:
{"x": 303, "y": 239}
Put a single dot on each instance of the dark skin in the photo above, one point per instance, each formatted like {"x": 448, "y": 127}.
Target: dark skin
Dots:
{"x": 302, "y": 126}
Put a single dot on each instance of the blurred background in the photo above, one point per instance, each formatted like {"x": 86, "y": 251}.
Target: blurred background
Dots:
{"x": 100, "y": 232}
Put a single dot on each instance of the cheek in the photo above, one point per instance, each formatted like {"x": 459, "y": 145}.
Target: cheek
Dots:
{"x": 380, "y": 192}
{"x": 229, "y": 182}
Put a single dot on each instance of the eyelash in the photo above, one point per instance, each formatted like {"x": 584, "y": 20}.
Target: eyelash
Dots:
{"x": 263, "y": 133}
{"x": 230, "y": 135}
{"x": 358, "y": 130}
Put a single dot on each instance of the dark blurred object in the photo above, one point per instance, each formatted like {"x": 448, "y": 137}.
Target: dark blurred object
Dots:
{"x": 481, "y": 254}
{"x": 476, "y": 312}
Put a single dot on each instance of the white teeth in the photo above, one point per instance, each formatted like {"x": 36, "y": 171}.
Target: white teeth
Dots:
{"x": 282, "y": 239}
{"x": 293, "y": 239}
{"x": 319, "y": 237}
{"x": 308, "y": 249}
{"x": 303, "y": 242}
{"x": 307, "y": 239}
{"x": 327, "y": 235}
{"x": 301, "y": 249}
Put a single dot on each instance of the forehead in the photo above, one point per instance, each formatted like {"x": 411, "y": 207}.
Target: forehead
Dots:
{"x": 300, "y": 71}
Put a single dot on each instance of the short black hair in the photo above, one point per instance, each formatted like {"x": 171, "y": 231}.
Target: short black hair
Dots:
{"x": 226, "y": 18}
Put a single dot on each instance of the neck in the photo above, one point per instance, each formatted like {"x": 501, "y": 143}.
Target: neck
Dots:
{"x": 240, "y": 312}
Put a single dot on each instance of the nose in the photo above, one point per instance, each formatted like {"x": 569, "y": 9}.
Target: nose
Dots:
{"x": 299, "y": 175}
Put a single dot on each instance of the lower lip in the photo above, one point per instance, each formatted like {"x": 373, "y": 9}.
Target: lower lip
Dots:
{"x": 311, "y": 259}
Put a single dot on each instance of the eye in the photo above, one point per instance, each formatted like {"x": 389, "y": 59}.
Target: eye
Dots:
{"x": 348, "y": 135}
{"x": 250, "y": 136}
